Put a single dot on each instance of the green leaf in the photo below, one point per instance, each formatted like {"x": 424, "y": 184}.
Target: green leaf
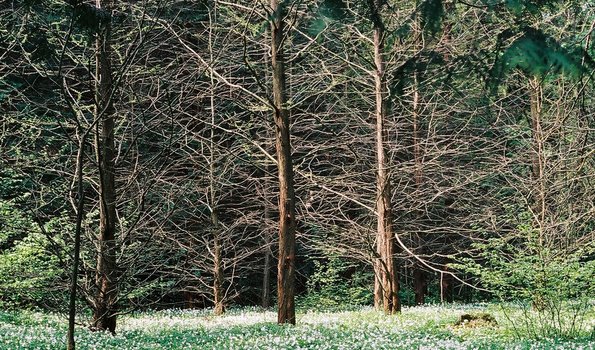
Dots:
{"x": 538, "y": 55}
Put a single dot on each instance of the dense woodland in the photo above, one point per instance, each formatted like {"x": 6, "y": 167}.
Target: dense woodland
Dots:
{"x": 309, "y": 153}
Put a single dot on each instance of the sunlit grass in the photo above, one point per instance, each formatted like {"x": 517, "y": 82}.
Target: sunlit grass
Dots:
{"x": 427, "y": 327}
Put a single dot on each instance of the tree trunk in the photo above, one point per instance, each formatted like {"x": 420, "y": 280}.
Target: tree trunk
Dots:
{"x": 537, "y": 175}
{"x": 268, "y": 231}
{"x": 385, "y": 268}
{"x": 266, "y": 276}
{"x": 218, "y": 275}
{"x": 104, "y": 317}
{"x": 218, "y": 294}
{"x": 537, "y": 159}
{"x": 419, "y": 276}
{"x": 287, "y": 223}
{"x": 419, "y": 285}
{"x": 446, "y": 285}
{"x": 77, "y": 242}
{"x": 419, "y": 280}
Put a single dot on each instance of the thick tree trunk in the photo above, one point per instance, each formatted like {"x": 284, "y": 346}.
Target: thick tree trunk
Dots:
{"x": 104, "y": 317}
{"x": 385, "y": 268}
{"x": 287, "y": 223}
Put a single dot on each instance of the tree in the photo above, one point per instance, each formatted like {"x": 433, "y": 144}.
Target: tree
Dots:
{"x": 287, "y": 221}
{"x": 386, "y": 286}
{"x": 104, "y": 313}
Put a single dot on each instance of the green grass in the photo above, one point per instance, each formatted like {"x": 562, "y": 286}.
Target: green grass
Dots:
{"x": 427, "y": 327}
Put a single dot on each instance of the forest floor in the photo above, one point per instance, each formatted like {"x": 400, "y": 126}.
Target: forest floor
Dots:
{"x": 423, "y": 327}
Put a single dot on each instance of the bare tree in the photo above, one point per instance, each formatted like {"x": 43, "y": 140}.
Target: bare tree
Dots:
{"x": 104, "y": 317}
{"x": 287, "y": 221}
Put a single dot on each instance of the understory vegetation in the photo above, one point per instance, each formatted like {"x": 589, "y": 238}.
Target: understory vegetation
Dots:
{"x": 421, "y": 327}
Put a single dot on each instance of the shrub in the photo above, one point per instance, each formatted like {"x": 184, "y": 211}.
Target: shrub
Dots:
{"x": 553, "y": 284}
{"x": 30, "y": 275}
{"x": 337, "y": 284}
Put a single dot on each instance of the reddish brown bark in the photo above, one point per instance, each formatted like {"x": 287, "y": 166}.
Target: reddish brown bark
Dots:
{"x": 287, "y": 223}
{"x": 386, "y": 281}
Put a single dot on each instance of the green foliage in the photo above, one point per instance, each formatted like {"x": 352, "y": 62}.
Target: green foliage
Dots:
{"x": 333, "y": 9}
{"x": 29, "y": 272}
{"x": 520, "y": 7}
{"x": 327, "y": 11}
{"x": 332, "y": 287}
{"x": 317, "y": 26}
{"x": 407, "y": 293}
{"x": 432, "y": 13}
{"x": 13, "y": 225}
{"x": 557, "y": 283}
{"x": 536, "y": 54}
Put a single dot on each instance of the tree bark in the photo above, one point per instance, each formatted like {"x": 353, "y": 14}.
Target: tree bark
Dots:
{"x": 267, "y": 232}
{"x": 104, "y": 317}
{"x": 386, "y": 280}
{"x": 218, "y": 294}
{"x": 537, "y": 159}
{"x": 218, "y": 273}
{"x": 446, "y": 285}
{"x": 77, "y": 242}
{"x": 266, "y": 276}
{"x": 287, "y": 223}
{"x": 218, "y": 276}
{"x": 419, "y": 276}
{"x": 419, "y": 285}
